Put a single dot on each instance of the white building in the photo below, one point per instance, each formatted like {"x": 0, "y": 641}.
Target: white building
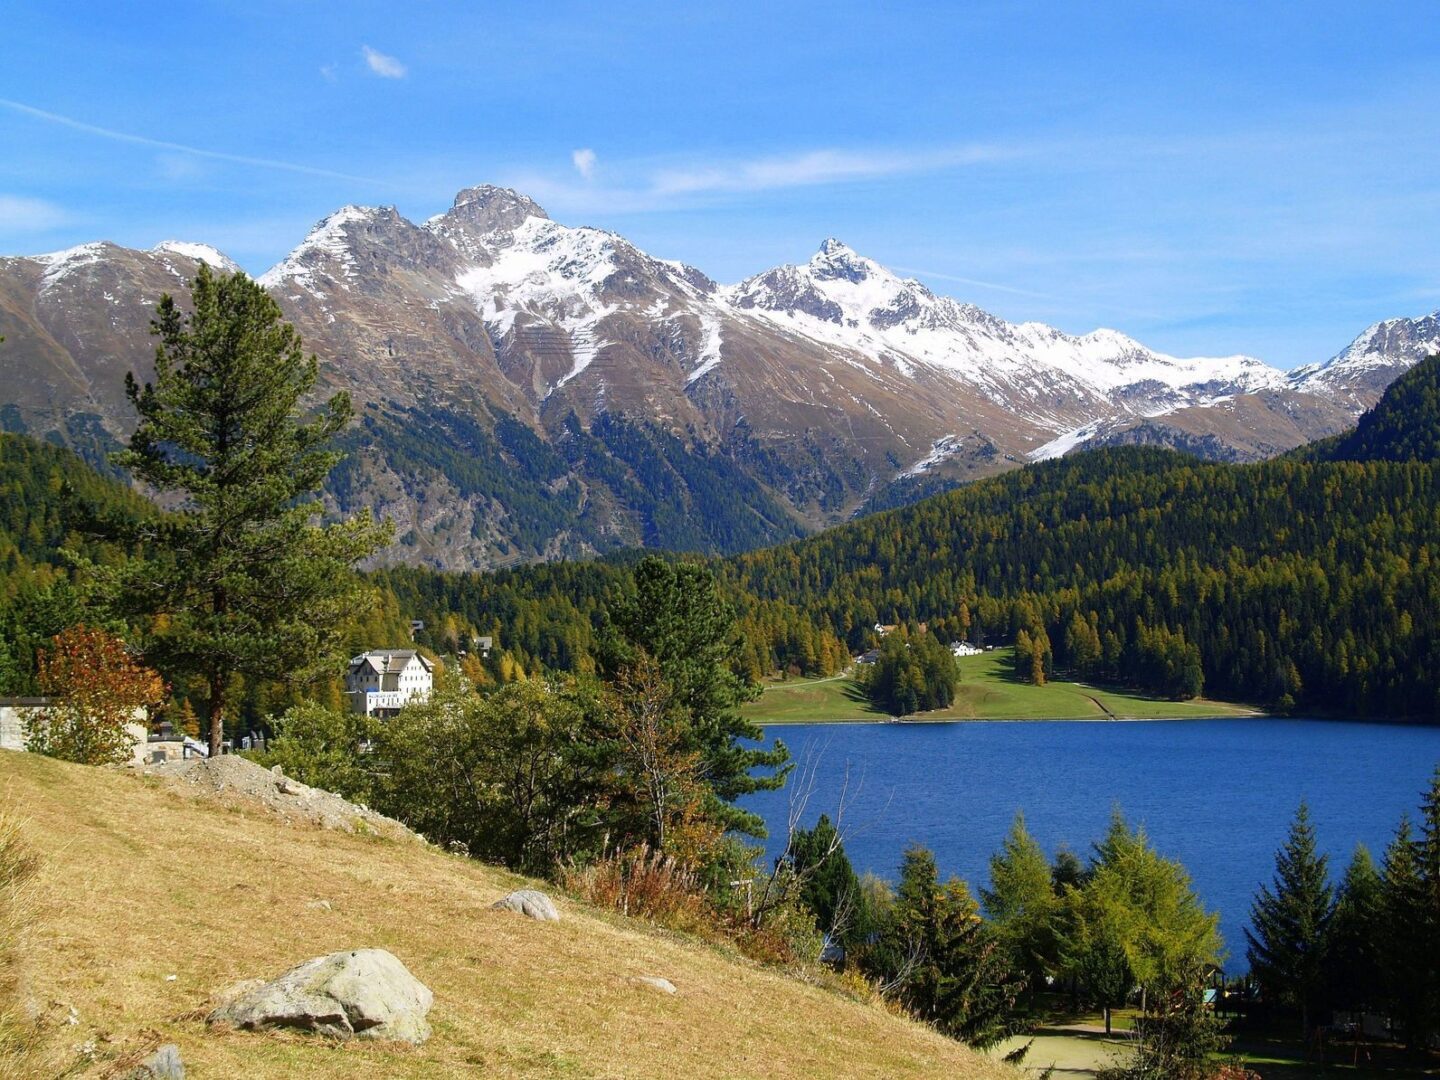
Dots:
{"x": 383, "y": 681}
{"x": 15, "y": 714}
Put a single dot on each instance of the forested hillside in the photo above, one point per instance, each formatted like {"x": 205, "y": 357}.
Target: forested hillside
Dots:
{"x": 47, "y": 496}
{"x": 1293, "y": 583}
{"x": 1290, "y": 583}
{"x": 1403, "y": 426}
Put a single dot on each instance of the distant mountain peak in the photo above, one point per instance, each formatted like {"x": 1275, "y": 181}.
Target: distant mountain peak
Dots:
{"x": 199, "y": 252}
{"x": 487, "y": 209}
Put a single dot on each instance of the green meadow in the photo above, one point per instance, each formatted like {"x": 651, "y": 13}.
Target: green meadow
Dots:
{"x": 987, "y": 691}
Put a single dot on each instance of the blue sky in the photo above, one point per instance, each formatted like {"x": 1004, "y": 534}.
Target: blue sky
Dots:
{"x": 1208, "y": 177}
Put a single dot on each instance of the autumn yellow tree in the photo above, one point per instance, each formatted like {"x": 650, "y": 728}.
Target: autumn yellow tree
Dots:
{"x": 96, "y": 688}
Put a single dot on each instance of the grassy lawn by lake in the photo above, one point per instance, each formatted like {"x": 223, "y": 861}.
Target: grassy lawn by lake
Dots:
{"x": 987, "y": 691}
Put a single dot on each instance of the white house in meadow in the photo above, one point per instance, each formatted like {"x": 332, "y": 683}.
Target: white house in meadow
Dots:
{"x": 382, "y": 681}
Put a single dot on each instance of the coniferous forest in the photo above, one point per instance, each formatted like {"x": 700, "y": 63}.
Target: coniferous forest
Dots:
{"x": 1306, "y": 582}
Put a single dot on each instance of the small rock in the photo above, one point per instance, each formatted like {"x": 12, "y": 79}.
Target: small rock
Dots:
{"x": 276, "y": 770}
{"x": 319, "y": 905}
{"x": 164, "y": 1064}
{"x": 171, "y": 978}
{"x": 655, "y": 983}
{"x": 364, "y": 994}
{"x": 458, "y": 847}
{"x": 531, "y": 903}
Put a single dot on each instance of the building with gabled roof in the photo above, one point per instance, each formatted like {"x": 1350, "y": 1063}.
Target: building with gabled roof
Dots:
{"x": 381, "y": 682}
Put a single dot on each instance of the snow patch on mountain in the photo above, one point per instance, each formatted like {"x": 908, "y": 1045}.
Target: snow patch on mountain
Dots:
{"x": 1068, "y": 441}
{"x": 848, "y": 301}
{"x": 1380, "y": 347}
{"x": 199, "y": 252}
{"x": 940, "y": 449}
{"x": 61, "y": 264}
{"x": 328, "y": 240}
{"x": 711, "y": 340}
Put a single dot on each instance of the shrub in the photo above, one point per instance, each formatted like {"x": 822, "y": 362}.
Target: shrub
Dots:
{"x": 323, "y": 748}
{"x": 648, "y": 884}
{"x": 98, "y": 688}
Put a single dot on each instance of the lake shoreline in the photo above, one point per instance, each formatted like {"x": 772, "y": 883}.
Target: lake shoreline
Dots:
{"x": 917, "y": 720}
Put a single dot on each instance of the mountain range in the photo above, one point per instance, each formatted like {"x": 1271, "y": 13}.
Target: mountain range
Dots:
{"x": 529, "y": 390}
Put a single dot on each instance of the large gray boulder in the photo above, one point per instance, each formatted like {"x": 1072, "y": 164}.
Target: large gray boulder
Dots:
{"x": 531, "y": 903}
{"x": 364, "y": 994}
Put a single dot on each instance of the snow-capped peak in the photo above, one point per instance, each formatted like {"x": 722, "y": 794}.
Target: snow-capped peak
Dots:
{"x": 1381, "y": 347}
{"x": 199, "y": 252}
{"x": 61, "y": 264}
{"x": 329, "y": 238}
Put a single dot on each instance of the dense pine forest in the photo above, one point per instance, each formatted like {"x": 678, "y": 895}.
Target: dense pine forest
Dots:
{"x": 1304, "y": 582}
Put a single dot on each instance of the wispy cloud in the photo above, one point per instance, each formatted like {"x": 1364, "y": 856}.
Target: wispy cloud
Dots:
{"x": 19, "y": 213}
{"x": 330, "y": 72}
{"x": 979, "y": 284}
{"x": 584, "y": 161}
{"x": 387, "y": 67}
{"x": 642, "y": 186}
{"x": 161, "y": 144}
{"x": 816, "y": 167}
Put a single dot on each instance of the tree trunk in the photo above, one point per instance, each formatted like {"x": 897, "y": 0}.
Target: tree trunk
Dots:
{"x": 1107, "y": 1019}
{"x": 217, "y": 713}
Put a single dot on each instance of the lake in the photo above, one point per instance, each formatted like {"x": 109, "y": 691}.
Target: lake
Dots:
{"x": 1218, "y": 795}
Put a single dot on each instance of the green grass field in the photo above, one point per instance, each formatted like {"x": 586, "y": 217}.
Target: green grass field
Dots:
{"x": 987, "y": 691}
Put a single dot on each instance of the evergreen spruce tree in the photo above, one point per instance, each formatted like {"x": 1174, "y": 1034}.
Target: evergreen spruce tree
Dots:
{"x": 238, "y": 580}
{"x": 1403, "y": 947}
{"x": 1428, "y": 928}
{"x": 1353, "y": 958}
{"x": 829, "y": 885}
{"x": 1287, "y": 945}
{"x": 953, "y": 973}
{"x": 679, "y": 616}
{"x": 1022, "y": 905}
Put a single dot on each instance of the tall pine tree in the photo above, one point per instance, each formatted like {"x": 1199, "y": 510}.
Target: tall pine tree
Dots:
{"x": 1353, "y": 958}
{"x": 239, "y": 579}
{"x": 1287, "y": 945}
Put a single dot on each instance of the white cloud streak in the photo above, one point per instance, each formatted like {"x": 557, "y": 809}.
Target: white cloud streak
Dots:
{"x": 19, "y": 213}
{"x": 161, "y": 144}
{"x": 640, "y": 187}
{"x": 584, "y": 160}
{"x": 979, "y": 284}
{"x": 387, "y": 67}
{"x": 816, "y": 167}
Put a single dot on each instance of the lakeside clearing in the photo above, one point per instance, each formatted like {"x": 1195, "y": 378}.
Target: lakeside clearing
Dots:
{"x": 987, "y": 691}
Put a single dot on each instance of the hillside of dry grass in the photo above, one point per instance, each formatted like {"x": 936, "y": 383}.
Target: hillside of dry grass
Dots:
{"x": 147, "y": 902}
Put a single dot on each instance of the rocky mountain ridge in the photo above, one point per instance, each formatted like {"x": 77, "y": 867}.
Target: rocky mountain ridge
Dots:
{"x": 528, "y": 389}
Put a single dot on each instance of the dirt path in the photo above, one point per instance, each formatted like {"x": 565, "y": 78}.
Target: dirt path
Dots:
{"x": 1101, "y": 706}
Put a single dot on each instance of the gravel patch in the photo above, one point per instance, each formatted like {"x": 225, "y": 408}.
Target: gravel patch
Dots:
{"x": 234, "y": 780}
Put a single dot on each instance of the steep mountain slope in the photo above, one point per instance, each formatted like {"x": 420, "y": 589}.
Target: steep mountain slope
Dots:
{"x": 1371, "y": 362}
{"x": 528, "y": 389}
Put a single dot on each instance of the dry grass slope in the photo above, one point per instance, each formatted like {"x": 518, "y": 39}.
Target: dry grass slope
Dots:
{"x": 138, "y": 884}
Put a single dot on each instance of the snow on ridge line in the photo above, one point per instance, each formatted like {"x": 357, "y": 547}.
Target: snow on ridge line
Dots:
{"x": 326, "y": 237}
{"x": 199, "y": 252}
{"x": 59, "y": 264}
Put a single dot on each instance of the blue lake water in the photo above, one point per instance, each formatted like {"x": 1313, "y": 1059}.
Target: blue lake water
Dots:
{"x": 1218, "y": 795}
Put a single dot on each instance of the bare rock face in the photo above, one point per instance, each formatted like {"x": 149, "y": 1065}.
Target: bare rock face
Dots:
{"x": 364, "y": 994}
{"x": 509, "y": 370}
{"x": 531, "y": 903}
